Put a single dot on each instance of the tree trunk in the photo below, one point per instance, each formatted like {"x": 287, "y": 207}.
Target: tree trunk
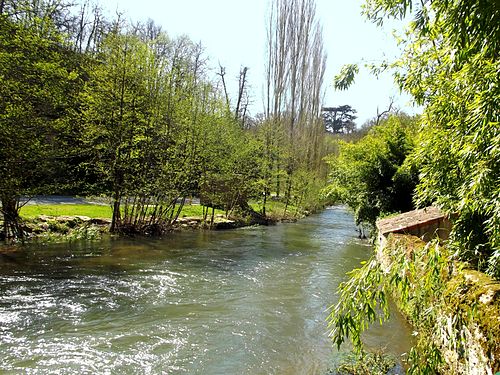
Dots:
{"x": 264, "y": 202}
{"x": 11, "y": 220}
{"x": 116, "y": 213}
{"x": 288, "y": 192}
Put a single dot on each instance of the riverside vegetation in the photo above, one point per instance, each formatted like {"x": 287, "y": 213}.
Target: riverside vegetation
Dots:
{"x": 70, "y": 222}
{"x": 449, "y": 157}
{"x": 96, "y": 106}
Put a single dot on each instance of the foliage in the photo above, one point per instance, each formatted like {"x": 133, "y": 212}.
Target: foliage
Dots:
{"x": 363, "y": 301}
{"x": 275, "y": 210}
{"x": 58, "y": 232}
{"x": 371, "y": 175}
{"x": 110, "y": 108}
{"x": 346, "y": 77}
{"x": 37, "y": 80}
{"x": 451, "y": 66}
{"x": 306, "y": 192}
{"x": 119, "y": 115}
{"x": 436, "y": 295}
{"x": 293, "y": 132}
{"x": 371, "y": 363}
{"x": 231, "y": 170}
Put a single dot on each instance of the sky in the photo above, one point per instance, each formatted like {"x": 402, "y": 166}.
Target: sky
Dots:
{"x": 233, "y": 33}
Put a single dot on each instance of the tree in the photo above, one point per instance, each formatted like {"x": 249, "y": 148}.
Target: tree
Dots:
{"x": 243, "y": 99}
{"x": 451, "y": 65}
{"x": 340, "y": 119}
{"x": 115, "y": 99}
{"x": 36, "y": 83}
{"x": 372, "y": 176}
{"x": 294, "y": 73}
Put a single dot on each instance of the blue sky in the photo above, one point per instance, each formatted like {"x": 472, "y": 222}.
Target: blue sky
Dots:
{"x": 233, "y": 33}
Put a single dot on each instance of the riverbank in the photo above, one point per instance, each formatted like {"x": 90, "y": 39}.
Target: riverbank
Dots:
{"x": 454, "y": 309}
{"x": 63, "y": 219}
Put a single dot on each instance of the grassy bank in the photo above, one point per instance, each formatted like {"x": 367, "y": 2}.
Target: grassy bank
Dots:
{"x": 67, "y": 222}
{"x": 274, "y": 210}
{"x": 91, "y": 210}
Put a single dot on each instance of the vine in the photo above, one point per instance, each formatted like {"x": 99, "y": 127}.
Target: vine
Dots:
{"x": 430, "y": 289}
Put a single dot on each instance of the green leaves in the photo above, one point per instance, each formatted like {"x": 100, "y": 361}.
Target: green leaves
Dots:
{"x": 345, "y": 78}
{"x": 451, "y": 66}
{"x": 370, "y": 175}
{"x": 363, "y": 301}
{"x": 378, "y": 10}
{"x": 416, "y": 276}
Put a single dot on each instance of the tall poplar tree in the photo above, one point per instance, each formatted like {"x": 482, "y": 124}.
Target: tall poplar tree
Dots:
{"x": 294, "y": 91}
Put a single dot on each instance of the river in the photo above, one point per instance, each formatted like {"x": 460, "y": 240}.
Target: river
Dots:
{"x": 246, "y": 301}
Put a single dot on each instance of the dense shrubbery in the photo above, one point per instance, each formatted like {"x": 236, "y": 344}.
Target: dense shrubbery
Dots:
{"x": 451, "y": 65}
{"x": 370, "y": 174}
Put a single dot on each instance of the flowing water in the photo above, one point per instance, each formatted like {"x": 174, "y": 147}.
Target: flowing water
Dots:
{"x": 246, "y": 301}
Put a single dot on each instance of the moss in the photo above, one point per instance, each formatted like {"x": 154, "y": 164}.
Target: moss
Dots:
{"x": 55, "y": 226}
{"x": 477, "y": 297}
{"x": 370, "y": 363}
{"x": 64, "y": 228}
{"x": 461, "y": 306}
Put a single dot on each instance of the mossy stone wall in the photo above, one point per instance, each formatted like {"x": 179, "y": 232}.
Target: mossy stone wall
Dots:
{"x": 460, "y": 316}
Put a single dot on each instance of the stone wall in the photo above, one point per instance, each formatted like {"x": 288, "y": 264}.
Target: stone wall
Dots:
{"x": 463, "y": 307}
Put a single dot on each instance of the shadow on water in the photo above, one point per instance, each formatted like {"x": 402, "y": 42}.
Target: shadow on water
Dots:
{"x": 249, "y": 301}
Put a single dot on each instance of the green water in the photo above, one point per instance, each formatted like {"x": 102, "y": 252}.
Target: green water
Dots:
{"x": 246, "y": 301}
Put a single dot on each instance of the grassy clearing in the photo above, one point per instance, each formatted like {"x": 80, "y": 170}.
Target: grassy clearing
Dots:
{"x": 92, "y": 210}
{"x": 273, "y": 209}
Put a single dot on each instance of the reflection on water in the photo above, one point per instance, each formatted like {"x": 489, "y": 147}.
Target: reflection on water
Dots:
{"x": 246, "y": 301}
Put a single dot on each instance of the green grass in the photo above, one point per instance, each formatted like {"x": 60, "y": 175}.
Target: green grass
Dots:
{"x": 275, "y": 208}
{"x": 197, "y": 210}
{"x": 92, "y": 210}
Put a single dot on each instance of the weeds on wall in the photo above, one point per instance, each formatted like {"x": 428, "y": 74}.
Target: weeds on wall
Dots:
{"x": 430, "y": 289}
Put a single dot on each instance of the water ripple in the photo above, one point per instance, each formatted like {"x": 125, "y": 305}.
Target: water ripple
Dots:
{"x": 250, "y": 301}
